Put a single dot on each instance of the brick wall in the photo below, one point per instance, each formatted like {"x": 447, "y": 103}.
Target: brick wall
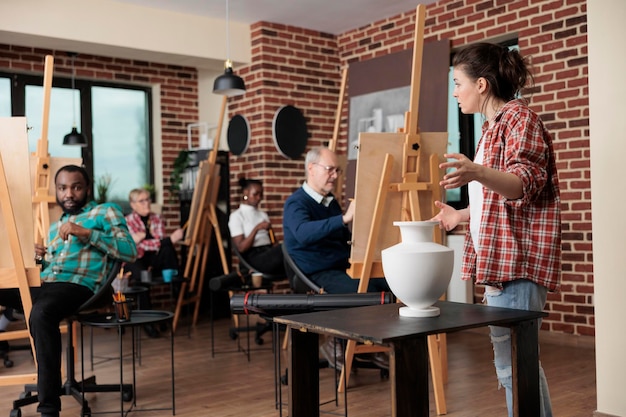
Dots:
{"x": 179, "y": 95}
{"x": 290, "y": 66}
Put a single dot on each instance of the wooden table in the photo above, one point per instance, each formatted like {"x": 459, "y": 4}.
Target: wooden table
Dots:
{"x": 406, "y": 336}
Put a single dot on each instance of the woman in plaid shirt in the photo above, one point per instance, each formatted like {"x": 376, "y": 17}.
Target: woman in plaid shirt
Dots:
{"x": 513, "y": 245}
{"x": 155, "y": 250}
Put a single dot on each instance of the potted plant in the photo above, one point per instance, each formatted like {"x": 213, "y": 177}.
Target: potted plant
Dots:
{"x": 103, "y": 183}
{"x": 176, "y": 177}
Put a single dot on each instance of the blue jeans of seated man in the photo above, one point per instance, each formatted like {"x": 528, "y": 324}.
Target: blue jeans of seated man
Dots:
{"x": 336, "y": 281}
{"x": 522, "y": 295}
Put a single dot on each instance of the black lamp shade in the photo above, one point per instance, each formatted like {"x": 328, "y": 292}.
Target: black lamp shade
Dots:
{"x": 229, "y": 84}
{"x": 74, "y": 138}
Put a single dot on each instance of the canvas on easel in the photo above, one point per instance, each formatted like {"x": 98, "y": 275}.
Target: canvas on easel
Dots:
{"x": 17, "y": 264}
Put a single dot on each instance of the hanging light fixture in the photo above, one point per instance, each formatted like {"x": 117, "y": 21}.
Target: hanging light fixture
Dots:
{"x": 228, "y": 84}
{"x": 74, "y": 138}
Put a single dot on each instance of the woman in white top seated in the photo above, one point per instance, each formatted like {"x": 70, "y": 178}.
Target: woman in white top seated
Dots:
{"x": 251, "y": 231}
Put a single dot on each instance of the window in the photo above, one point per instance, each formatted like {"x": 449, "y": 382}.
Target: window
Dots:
{"x": 115, "y": 118}
{"x": 60, "y": 119}
{"x": 5, "y": 97}
{"x": 120, "y": 139}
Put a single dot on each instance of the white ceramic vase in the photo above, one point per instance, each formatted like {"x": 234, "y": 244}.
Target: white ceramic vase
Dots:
{"x": 418, "y": 270}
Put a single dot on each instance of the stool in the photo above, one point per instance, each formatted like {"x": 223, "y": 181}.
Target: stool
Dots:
{"x": 138, "y": 318}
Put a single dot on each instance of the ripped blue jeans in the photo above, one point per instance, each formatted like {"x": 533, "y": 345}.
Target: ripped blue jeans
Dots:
{"x": 522, "y": 295}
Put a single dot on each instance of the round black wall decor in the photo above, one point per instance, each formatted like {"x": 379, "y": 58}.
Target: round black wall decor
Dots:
{"x": 289, "y": 132}
{"x": 238, "y": 134}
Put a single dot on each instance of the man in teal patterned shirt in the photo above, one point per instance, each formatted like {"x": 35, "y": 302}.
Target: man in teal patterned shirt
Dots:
{"x": 83, "y": 246}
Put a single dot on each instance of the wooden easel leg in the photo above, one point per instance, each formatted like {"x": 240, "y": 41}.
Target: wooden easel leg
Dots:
{"x": 200, "y": 283}
{"x": 286, "y": 338}
{"x": 347, "y": 365}
{"x": 179, "y": 304}
{"x": 437, "y": 375}
{"x": 385, "y": 180}
{"x": 442, "y": 342}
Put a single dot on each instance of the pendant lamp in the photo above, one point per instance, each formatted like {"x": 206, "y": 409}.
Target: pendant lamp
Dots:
{"x": 228, "y": 84}
{"x": 74, "y": 138}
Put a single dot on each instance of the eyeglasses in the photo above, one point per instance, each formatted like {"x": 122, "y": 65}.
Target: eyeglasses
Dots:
{"x": 330, "y": 170}
{"x": 143, "y": 201}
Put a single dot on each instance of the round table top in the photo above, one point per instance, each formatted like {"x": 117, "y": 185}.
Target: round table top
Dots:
{"x": 137, "y": 317}
{"x": 135, "y": 290}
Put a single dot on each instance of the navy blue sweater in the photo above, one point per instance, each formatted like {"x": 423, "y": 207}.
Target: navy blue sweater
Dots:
{"x": 315, "y": 235}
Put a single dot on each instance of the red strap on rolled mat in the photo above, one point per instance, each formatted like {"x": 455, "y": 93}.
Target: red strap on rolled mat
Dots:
{"x": 245, "y": 303}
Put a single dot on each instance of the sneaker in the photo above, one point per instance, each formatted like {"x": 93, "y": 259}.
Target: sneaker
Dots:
{"x": 378, "y": 360}
{"x": 381, "y": 360}
{"x": 332, "y": 351}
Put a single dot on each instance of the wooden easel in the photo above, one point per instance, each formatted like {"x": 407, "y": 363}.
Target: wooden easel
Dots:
{"x": 43, "y": 166}
{"x": 332, "y": 144}
{"x": 201, "y": 224}
{"x": 406, "y": 191}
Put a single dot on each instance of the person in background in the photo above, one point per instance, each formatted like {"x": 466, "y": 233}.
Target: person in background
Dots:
{"x": 155, "y": 251}
{"x": 83, "y": 247}
{"x": 513, "y": 244}
{"x": 6, "y": 317}
{"x": 251, "y": 231}
{"x": 317, "y": 237}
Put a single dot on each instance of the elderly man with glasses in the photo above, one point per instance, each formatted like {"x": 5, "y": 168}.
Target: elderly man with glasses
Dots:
{"x": 317, "y": 238}
{"x": 316, "y": 229}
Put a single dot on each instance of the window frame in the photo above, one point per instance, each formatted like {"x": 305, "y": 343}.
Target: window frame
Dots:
{"x": 18, "y": 84}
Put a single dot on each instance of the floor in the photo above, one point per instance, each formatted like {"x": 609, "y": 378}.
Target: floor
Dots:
{"x": 227, "y": 384}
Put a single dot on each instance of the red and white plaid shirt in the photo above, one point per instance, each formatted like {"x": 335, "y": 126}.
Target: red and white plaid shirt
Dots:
{"x": 157, "y": 230}
{"x": 519, "y": 239}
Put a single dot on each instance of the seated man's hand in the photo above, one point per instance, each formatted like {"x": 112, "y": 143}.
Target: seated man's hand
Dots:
{"x": 74, "y": 229}
{"x": 177, "y": 235}
{"x": 138, "y": 237}
{"x": 40, "y": 251}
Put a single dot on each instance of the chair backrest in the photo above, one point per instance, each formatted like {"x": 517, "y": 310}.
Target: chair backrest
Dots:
{"x": 245, "y": 267}
{"x": 299, "y": 282}
{"x": 104, "y": 293}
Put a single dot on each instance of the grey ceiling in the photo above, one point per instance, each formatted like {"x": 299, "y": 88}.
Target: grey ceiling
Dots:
{"x": 331, "y": 16}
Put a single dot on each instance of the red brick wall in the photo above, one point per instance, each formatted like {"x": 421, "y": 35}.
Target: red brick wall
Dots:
{"x": 179, "y": 95}
{"x": 290, "y": 66}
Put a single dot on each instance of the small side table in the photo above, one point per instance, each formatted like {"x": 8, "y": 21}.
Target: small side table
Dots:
{"x": 137, "y": 318}
{"x": 133, "y": 293}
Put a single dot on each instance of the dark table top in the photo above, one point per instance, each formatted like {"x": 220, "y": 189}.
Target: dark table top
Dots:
{"x": 134, "y": 290}
{"x": 137, "y": 317}
{"x": 382, "y": 324}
